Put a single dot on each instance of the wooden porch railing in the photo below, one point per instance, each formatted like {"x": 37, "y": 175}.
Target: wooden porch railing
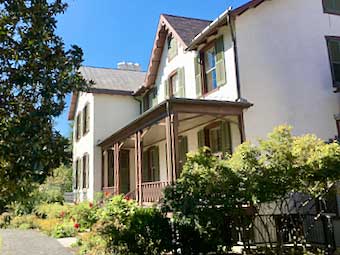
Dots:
{"x": 109, "y": 191}
{"x": 152, "y": 192}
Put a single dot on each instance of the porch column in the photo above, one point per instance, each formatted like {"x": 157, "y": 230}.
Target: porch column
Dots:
{"x": 105, "y": 169}
{"x": 138, "y": 167}
{"x": 241, "y": 127}
{"x": 171, "y": 126}
{"x": 116, "y": 169}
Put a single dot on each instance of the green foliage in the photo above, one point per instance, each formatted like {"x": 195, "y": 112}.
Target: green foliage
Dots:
{"x": 90, "y": 243}
{"x": 39, "y": 73}
{"x": 128, "y": 229}
{"x": 24, "y": 222}
{"x": 65, "y": 229}
{"x": 284, "y": 163}
{"x": 203, "y": 201}
{"x": 52, "y": 211}
{"x": 209, "y": 199}
{"x": 84, "y": 214}
{"x": 54, "y": 187}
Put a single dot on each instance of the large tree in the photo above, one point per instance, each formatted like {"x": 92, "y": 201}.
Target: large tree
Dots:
{"x": 36, "y": 73}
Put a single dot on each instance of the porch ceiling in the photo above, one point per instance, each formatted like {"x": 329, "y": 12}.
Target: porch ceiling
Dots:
{"x": 188, "y": 107}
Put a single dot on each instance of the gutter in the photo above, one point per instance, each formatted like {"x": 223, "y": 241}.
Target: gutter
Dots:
{"x": 208, "y": 29}
{"x": 237, "y": 68}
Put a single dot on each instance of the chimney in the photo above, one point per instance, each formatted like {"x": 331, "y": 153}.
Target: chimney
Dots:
{"x": 129, "y": 66}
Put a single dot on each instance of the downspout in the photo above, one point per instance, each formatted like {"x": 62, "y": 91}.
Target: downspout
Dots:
{"x": 139, "y": 100}
{"x": 237, "y": 69}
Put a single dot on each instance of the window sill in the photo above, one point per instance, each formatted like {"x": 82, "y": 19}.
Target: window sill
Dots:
{"x": 212, "y": 91}
{"x": 332, "y": 12}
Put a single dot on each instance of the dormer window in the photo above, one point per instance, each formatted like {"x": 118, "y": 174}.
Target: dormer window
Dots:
{"x": 210, "y": 69}
{"x": 172, "y": 48}
{"x": 331, "y": 6}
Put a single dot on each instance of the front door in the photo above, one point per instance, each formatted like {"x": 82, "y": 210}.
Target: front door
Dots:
{"x": 124, "y": 175}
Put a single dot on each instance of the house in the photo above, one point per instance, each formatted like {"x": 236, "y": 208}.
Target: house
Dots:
{"x": 209, "y": 83}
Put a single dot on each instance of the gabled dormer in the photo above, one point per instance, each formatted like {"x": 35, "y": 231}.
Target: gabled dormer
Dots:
{"x": 170, "y": 64}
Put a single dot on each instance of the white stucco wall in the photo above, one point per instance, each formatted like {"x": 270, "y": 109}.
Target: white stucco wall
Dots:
{"x": 108, "y": 113}
{"x": 186, "y": 59}
{"x": 285, "y": 69}
{"x": 86, "y": 143}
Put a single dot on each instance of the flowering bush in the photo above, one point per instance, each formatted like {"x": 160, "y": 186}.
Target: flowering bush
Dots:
{"x": 84, "y": 215}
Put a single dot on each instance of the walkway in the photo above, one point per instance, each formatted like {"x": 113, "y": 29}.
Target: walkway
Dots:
{"x": 29, "y": 242}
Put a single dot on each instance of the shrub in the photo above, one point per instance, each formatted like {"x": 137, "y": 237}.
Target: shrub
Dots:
{"x": 52, "y": 211}
{"x": 24, "y": 222}
{"x": 84, "y": 214}
{"x": 91, "y": 243}
{"x": 47, "y": 225}
{"x": 128, "y": 229}
{"x": 5, "y": 220}
{"x": 65, "y": 229}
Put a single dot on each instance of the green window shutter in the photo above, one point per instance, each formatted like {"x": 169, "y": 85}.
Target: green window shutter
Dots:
{"x": 334, "y": 51}
{"x": 154, "y": 99}
{"x": 172, "y": 48}
{"x": 155, "y": 164}
{"x": 201, "y": 138}
{"x": 226, "y": 137}
{"x": 198, "y": 76}
{"x": 181, "y": 81}
{"x": 88, "y": 171}
{"x": 87, "y": 110}
{"x": 183, "y": 149}
{"x": 332, "y": 6}
{"x": 145, "y": 170}
{"x": 166, "y": 89}
{"x": 76, "y": 175}
{"x": 220, "y": 64}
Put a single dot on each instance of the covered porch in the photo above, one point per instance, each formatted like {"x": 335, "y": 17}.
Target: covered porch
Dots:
{"x": 145, "y": 156}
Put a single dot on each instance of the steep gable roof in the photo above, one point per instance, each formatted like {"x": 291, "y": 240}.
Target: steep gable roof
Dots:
{"x": 182, "y": 28}
{"x": 108, "y": 81}
{"x": 186, "y": 28}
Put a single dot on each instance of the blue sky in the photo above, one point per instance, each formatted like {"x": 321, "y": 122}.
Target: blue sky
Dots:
{"x": 110, "y": 31}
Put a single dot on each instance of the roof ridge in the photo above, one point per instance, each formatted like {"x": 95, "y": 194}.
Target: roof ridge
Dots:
{"x": 184, "y": 17}
{"x": 114, "y": 69}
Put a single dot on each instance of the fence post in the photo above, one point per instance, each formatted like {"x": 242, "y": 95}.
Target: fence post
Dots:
{"x": 328, "y": 230}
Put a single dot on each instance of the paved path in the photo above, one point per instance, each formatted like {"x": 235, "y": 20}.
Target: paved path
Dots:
{"x": 29, "y": 242}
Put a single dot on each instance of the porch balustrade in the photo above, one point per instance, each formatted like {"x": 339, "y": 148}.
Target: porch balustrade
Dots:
{"x": 152, "y": 192}
{"x": 110, "y": 190}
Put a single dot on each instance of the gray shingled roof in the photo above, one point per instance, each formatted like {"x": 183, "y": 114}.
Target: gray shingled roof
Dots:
{"x": 113, "y": 79}
{"x": 187, "y": 28}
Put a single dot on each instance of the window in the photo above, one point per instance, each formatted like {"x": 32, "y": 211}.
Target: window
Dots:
{"x": 183, "y": 150}
{"x": 78, "y": 174}
{"x": 334, "y": 56}
{"x": 151, "y": 171}
{"x": 110, "y": 166}
{"x": 85, "y": 171}
{"x": 216, "y": 136}
{"x": 86, "y": 119}
{"x": 175, "y": 85}
{"x": 210, "y": 69}
{"x": 338, "y": 126}
{"x": 78, "y": 126}
{"x": 331, "y": 6}
{"x": 172, "y": 48}
{"x": 150, "y": 99}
